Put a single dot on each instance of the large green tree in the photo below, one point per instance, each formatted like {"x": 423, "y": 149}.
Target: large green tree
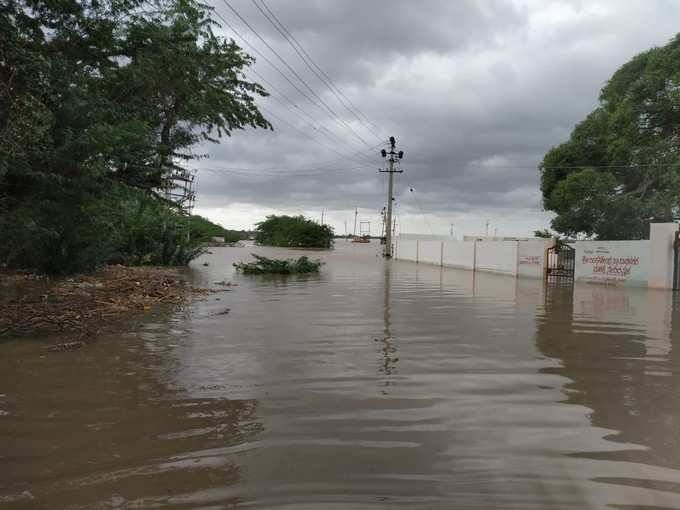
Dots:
{"x": 620, "y": 168}
{"x": 96, "y": 94}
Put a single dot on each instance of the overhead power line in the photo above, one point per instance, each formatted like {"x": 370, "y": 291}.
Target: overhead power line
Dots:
{"x": 422, "y": 212}
{"x": 252, "y": 173}
{"x": 303, "y": 167}
{"x": 319, "y": 68}
{"x": 316, "y": 70}
{"x": 321, "y": 128}
{"x": 294, "y": 108}
{"x": 266, "y": 59}
{"x": 303, "y": 133}
{"x": 647, "y": 165}
{"x": 329, "y": 110}
{"x": 298, "y": 110}
{"x": 574, "y": 167}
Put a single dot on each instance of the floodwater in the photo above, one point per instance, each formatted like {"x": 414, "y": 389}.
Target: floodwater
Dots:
{"x": 372, "y": 385}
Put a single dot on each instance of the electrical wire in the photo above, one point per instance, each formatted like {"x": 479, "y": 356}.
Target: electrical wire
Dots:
{"x": 298, "y": 109}
{"x": 304, "y": 167}
{"x": 278, "y": 70}
{"x": 255, "y": 173}
{"x": 303, "y": 133}
{"x": 570, "y": 167}
{"x": 427, "y": 222}
{"x": 309, "y": 62}
{"x": 331, "y": 112}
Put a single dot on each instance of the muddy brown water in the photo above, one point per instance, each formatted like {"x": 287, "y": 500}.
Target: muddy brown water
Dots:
{"x": 371, "y": 385}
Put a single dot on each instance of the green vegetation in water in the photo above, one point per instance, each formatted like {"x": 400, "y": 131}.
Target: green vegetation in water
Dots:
{"x": 293, "y": 232}
{"x": 96, "y": 127}
{"x": 264, "y": 265}
{"x": 203, "y": 230}
{"x": 620, "y": 169}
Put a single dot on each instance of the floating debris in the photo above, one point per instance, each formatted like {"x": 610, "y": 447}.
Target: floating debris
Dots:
{"x": 226, "y": 283}
{"x": 86, "y": 302}
{"x": 67, "y": 346}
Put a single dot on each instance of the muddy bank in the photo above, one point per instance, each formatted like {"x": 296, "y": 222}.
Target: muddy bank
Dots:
{"x": 86, "y": 303}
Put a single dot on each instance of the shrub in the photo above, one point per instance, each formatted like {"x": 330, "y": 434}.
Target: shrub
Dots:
{"x": 78, "y": 228}
{"x": 264, "y": 265}
{"x": 293, "y": 232}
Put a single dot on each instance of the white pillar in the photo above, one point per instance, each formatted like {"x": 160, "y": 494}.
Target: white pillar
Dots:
{"x": 661, "y": 238}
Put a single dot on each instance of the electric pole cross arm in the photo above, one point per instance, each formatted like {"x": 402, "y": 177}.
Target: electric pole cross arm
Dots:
{"x": 392, "y": 156}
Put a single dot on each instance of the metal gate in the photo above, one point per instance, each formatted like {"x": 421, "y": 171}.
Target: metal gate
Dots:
{"x": 561, "y": 262}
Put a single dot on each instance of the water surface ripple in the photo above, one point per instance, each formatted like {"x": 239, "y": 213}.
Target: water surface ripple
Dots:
{"x": 371, "y": 385}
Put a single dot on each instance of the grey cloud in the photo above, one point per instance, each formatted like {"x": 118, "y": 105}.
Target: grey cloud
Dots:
{"x": 475, "y": 92}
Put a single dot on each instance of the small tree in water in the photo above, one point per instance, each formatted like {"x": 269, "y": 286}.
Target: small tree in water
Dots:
{"x": 293, "y": 232}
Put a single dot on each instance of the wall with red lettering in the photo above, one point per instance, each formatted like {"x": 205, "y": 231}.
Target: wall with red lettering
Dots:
{"x": 531, "y": 258}
{"x": 613, "y": 262}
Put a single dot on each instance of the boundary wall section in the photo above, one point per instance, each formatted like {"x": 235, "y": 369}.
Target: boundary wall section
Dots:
{"x": 430, "y": 252}
{"x": 497, "y": 257}
{"x": 632, "y": 263}
{"x": 612, "y": 262}
{"x": 532, "y": 258}
{"x": 524, "y": 258}
{"x": 459, "y": 254}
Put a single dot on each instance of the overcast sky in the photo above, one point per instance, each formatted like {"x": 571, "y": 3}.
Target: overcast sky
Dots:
{"x": 475, "y": 93}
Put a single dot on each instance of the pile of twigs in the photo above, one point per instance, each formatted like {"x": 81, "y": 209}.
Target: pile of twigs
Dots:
{"x": 86, "y": 302}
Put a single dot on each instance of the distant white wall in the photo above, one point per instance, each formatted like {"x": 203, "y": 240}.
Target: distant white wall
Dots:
{"x": 406, "y": 249}
{"x": 613, "y": 262}
{"x": 661, "y": 238}
{"x": 459, "y": 254}
{"x": 423, "y": 237}
{"x": 531, "y": 258}
{"x": 497, "y": 257}
{"x": 430, "y": 252}
{"x": 633, "y": 263}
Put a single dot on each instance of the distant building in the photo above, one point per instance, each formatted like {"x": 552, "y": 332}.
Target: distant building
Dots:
{"x": 217, "y": 239}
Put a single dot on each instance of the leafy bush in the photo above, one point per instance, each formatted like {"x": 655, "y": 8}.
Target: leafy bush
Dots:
{"x": 293, "y": 232}
{"x": 78, "y": 228}
{"x": 203, "y": 230}
{"x": 264, "y": 265}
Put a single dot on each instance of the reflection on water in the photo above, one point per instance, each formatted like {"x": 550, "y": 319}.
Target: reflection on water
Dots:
{"x": 388, "y": 362}
{"x": 371, "y": 385}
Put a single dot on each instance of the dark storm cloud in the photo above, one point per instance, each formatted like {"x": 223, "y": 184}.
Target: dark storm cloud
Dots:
{"x": 475, "y": 92}
{"x": 353, "y": 37}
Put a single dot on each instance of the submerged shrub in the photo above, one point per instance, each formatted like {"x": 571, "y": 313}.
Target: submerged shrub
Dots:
{"x": 293, "y": 232}
{"x": 264, "y": 265}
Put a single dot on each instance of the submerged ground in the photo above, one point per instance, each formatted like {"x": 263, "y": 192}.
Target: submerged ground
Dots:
{"x": 373, "y": 384}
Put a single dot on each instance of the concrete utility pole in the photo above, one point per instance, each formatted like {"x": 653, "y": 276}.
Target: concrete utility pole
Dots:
{"x": 393, "y": 156}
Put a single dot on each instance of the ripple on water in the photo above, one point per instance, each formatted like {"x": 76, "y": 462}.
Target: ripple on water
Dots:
{"x": 370, "y": 385}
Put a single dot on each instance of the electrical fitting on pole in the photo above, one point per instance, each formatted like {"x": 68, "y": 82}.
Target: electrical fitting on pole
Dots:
{"x": 392, "y": 156}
